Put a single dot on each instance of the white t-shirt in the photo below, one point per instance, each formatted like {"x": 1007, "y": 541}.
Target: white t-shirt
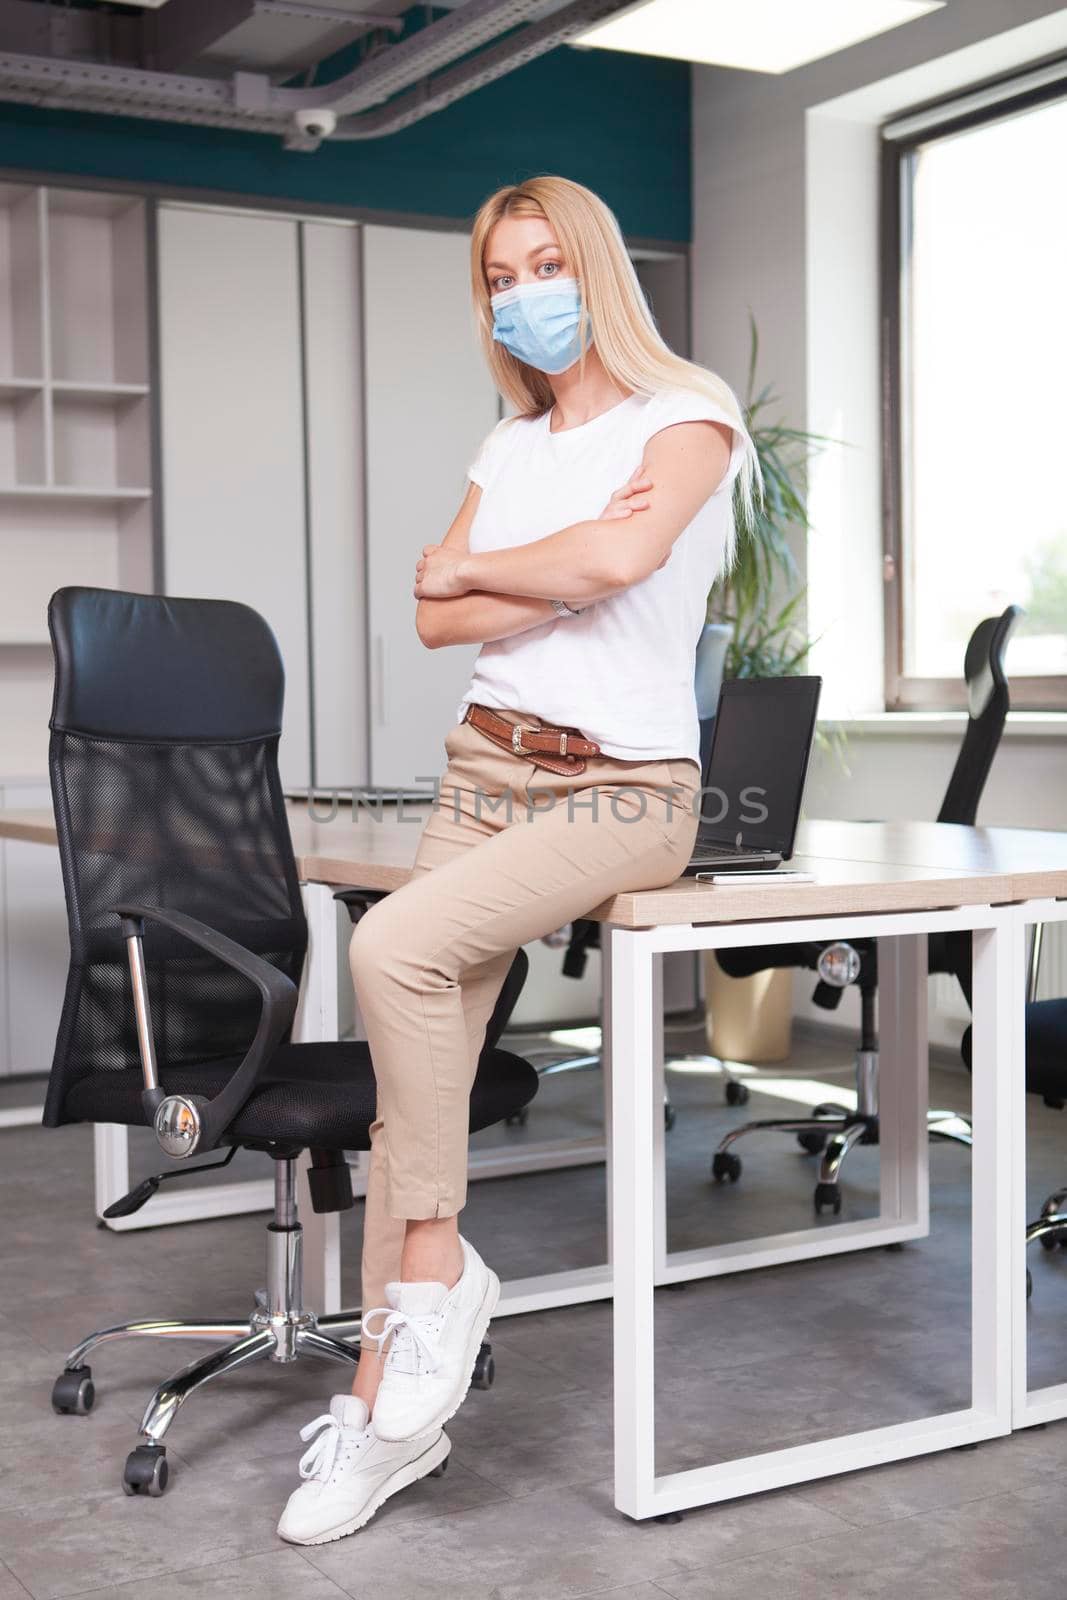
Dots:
{"x": 623, "y": 671}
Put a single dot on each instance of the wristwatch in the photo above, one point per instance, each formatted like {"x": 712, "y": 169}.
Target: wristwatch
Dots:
{"x": 562, "y": 609}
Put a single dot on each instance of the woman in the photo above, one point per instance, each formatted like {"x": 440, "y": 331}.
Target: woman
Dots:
{"x": 593, "y": 526}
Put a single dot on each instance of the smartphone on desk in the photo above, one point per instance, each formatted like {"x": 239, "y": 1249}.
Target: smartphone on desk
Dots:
{"x": 769, "y": 875}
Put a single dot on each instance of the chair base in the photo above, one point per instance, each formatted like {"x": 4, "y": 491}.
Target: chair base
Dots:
{"x": 831, "y": 1131}
{"x": 279, "y": 1328}
{"x": 1050, "y": 1228}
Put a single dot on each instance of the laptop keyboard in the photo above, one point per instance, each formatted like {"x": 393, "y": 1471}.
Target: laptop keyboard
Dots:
{"x": 718, "y": 852}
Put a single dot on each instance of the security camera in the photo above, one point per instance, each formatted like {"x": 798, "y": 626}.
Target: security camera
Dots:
{"x": 315, "y": 124}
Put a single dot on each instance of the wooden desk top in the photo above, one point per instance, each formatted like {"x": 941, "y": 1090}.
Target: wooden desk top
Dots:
{"x": 858, "y": 866}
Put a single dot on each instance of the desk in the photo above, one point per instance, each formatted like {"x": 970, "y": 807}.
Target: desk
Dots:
{"x": 896, "y": 882}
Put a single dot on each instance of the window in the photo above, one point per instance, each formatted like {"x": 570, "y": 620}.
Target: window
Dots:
{"x": 975, "y": 369}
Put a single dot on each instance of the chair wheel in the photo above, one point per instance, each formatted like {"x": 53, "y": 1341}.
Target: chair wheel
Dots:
{"x": 146, "y": 1470}
{"x": 1049, "y": 1241}
{"x": 518, "y": 1119}
{"x": 440, "y": 1469}
{"x": 1029, "y": 1283}
{"x": 724, "y": 1164}
{"x": 484, "y": 1368}
{"x": 827, "y": 1195}
{"x": 736, "y": 1093}
{"x": 73, "y": 1392}
{"x": 814, "y": 1143}
{"x": 670, "y": 1116}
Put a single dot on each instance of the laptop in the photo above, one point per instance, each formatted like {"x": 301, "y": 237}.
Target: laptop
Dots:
{"x": 753, "y": 778}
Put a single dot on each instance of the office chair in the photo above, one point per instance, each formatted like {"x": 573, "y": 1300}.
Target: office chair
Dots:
{"x": 1046, "y": 1075}
{"x": 187, "y": 944}
{"x": 832, "y": 1130}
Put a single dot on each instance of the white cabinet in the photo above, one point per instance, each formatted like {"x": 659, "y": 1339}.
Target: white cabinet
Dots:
{"x": 75, "y": 478}
{"x": 231, "y": 395}
{"x": 333, "y": 365}
{"x": 260, "y": 375}
{"x": 75, "y": 508}
{"x": 429, "y": 403}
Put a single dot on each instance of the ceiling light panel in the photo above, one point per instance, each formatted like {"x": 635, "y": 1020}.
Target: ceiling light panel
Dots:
{"x": 755, "y": 35}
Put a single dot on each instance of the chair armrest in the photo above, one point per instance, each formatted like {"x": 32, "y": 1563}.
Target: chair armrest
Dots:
{"x": 359, "y": 901}
{"x": 279, "y": 996}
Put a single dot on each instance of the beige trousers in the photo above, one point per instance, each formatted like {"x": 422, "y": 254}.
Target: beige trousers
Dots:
{"x": 510, "y": 852}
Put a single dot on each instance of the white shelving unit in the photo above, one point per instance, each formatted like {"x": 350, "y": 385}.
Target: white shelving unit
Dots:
{"x": 75, "y": 401}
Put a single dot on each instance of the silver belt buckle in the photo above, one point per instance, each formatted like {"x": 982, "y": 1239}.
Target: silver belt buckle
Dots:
{"x": 516, "y": 738}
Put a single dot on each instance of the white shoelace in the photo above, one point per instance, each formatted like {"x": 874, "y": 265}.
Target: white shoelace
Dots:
{"x": 319, "y": 1460}
{"x": 413, "y": 1335}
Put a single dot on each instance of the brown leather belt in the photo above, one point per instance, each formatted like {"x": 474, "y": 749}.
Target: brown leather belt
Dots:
{"x": 556, "y": 749}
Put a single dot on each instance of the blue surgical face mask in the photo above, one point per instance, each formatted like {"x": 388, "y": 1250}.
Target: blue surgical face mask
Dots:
{"x": 540, "y": 322}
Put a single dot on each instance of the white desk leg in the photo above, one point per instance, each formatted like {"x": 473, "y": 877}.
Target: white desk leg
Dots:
{"x": 1049, "y": 1403}
{"x": 639, "y": 1492}
{"x": 635, "y": 1111}
{"x": 318, "y": 1018}
{"x": 659, "y": 1124}
{"x": 997, "y": 1244}
{"x": 903, "y": 1080}
{"x": 22, "y": 1116}
{"x": 606, "y": 1059}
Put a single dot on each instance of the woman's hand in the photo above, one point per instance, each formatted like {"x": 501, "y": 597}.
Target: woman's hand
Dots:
{"x": 437, "y": 573}
{"x": 633, "y": 496}
{"x": 630, "y": 498}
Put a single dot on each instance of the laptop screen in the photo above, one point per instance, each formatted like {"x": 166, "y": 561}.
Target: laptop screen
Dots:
{"x": 758, "y": 761}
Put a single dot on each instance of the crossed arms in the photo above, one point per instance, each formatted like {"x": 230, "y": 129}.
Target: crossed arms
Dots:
{"x": 467, "y": 598}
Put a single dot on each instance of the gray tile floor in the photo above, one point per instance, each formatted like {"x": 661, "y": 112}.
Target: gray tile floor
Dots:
{"x": 525, "y": 1511}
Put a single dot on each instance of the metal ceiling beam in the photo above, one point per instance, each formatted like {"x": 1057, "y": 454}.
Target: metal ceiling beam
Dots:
{"x": 434, "y": 93}
{"x": 250, "y": 102}
{"x": 123, "y": 91}
{"x": 334, "y": 14}
{"x": 437, "y": 45}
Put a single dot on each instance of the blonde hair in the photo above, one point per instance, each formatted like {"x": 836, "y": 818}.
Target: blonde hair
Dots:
{"x": 630, "y": 346}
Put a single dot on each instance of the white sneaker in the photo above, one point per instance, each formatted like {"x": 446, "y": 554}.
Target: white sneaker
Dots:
{"x": 351, "y": 1472}
{"x": 436, "y": 1335}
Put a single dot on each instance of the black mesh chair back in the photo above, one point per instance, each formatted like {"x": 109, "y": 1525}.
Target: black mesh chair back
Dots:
{"x": 988, "y": 703}
{"x": 163, "y": 764}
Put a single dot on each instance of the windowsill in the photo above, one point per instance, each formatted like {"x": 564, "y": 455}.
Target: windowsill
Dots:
{"x": 948, "y": 724}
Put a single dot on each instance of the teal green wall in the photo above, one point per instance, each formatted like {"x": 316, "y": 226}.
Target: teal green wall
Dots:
{"x": 616, "y": 122}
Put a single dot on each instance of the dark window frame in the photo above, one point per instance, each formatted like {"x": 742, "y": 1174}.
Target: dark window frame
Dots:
{"x": 904, "y": 692}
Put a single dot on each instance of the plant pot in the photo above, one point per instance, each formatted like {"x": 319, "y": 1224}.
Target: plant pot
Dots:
{"x": 712, "y": 646}
{"x": 748, "y": 1019}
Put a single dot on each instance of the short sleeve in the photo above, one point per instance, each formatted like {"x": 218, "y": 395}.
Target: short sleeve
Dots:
{"x": 689, "y": 405}
{"x": 487, "y": 459}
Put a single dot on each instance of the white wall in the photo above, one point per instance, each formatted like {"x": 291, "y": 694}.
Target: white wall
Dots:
{"x": 784, "y": 226}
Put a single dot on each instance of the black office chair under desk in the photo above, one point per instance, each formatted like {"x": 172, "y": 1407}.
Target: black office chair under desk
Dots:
{"x": 187, "y": 945}
{"x": 833, "y": 1130}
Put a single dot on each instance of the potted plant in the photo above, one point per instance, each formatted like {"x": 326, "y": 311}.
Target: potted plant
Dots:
{"x": 755, "y": 630}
